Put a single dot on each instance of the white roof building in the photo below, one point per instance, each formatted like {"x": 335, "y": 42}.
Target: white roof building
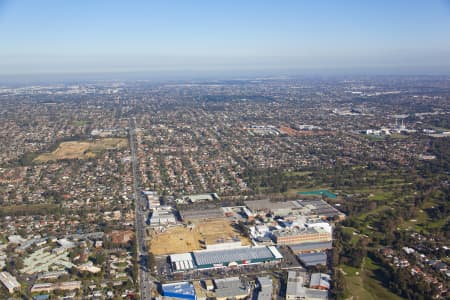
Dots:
{"x": 9, "y": 281}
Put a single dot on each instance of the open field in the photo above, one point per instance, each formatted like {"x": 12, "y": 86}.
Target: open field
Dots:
{"x": 174, "y": 240}
{"x": 215, "y": 230}
{"x": 185, "y": 239}
{"x": 362, "y": 284}
{"x": 81, "y": 149}
{"x": 297, "y": 173}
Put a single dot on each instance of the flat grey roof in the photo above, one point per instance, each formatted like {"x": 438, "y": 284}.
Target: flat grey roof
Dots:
{"x": 204, "y": 213}
{"x": 230, "y": 255}
{"x": 312, "y": 259}
{"x": 295, "y": 285}
{"x": 229, "y": 287}
{"x": 316, "y": 294}
{"x": 320, "y": 207}
{"x": 265, "y": 280}
{"x": 311, "y": 246}
{"x": 256, "y": 205}
{"x": 320, "y": 279}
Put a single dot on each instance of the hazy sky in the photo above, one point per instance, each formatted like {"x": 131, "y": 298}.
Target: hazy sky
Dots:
{"x": 59, "y": 36}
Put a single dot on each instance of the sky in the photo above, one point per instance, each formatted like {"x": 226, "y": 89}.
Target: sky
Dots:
{"x": 88, "y": 36}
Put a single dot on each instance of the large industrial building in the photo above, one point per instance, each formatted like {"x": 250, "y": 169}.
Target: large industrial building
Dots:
{"x": 320, "y": 281}
{"x": 182, "y": 262}
{"x": 207, "y": 213}
{"x": 234, "y": 257}
{"x": 310, "y": 207}
{"x": 9, "y": 281}
{"x": 230, "y": 288}
{"x": 296, "y": 289}
{"x": 179, "y": 290}
{"x": 313, "y": 259}
{"x": 311, "y": 247}
{"x": 162, "y": 216}
{"x": 265, "y": 288}
{"x": 198, "y": 198}
{"x": 301, "y": 235}
{"x": 208, "y": 259}
{"x": 152, "y": 199}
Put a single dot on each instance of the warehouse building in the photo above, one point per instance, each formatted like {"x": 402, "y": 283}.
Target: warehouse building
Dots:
{"x": 320, "y": 281}
{"x": 319, "y": 208}
{"x": 201, "y": 214}
{"x": 301, "y": 235}
{"x": 152, "y": 199}
{"x": 162, "y": 216}
{"x": 262, "y": 207}
{"x": 310, "y": 207}
{"x": 9, "y": 281}
{"x": 311, "y": 247}
{"x": 238, "y": 213}
{"x": 313, "y": 259}
{"x": 230, "y": 244}
{"x": 201, "y": 198}
{"x": 265, "y": 288}
{"x": 295, "y": 289}
{"x": 230, "y": 288}
{"x": 234, "y": 257}
{"x": 182, "y": 262}
{"x": 178, "y": 290}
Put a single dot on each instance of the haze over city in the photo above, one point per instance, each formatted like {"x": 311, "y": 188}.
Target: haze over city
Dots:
{"x": 185, "y": 37}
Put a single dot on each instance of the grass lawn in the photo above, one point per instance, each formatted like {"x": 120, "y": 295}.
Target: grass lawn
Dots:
{"x": 438, "y": 224}
{"x": 363, "y": 216}
{"x": 379, "y": 196}
{"x": 297, "y": 173}
{"x": 398, "y": 136}
{"x": 294, "y": 192}
{"x": 355, "y": 235}
{"x": 417, "y": 222}
{"x": 362, "y": 284}
{"x": 79, "y": 123}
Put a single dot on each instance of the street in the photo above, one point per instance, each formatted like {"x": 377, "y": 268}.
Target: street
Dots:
{"x": 144, "y": 277}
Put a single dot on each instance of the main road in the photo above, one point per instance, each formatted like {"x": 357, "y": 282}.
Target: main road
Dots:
{"x": 144, "y": 276}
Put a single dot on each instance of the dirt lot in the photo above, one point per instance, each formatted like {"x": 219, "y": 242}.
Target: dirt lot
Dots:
{"x": 215, "y": 230}
{"x": 184, "y": 239}
{"x": 81, "y": 149}
{"x": 174, "y": 240}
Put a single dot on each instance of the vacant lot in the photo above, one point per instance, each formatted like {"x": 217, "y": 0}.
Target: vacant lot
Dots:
{"x": 82, "y": 149}
{"x": 217, "y": 231}
{"x": 174, "y": 240}
{"x": 186, "y": 239}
